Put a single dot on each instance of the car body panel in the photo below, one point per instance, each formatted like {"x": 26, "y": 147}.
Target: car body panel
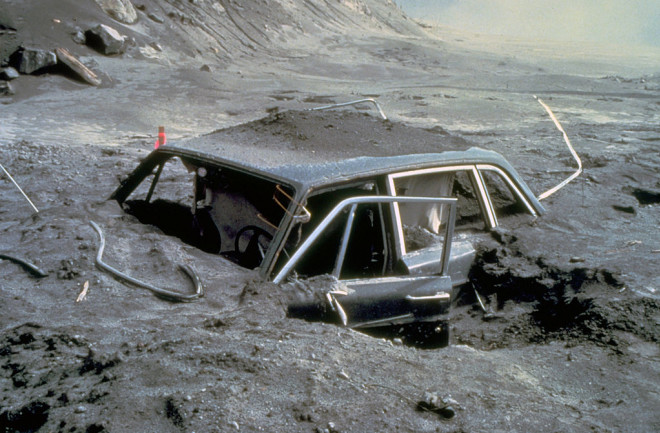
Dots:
{"x": 392, "y": 301}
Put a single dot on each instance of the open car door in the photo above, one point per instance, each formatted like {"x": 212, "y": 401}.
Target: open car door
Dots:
{"x": 395, "y": 296}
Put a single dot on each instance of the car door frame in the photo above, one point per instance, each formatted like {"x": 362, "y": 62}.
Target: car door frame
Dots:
{"x": 479, "y": 186}
{"x": 351, "y": 204}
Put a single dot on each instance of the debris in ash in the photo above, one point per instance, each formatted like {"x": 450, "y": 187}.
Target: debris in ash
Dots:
{"x": 97, "y": 363}
{"x": 35, "y": 61}
{"x": 442, "y": 406}
{"x": 68, "y": 270}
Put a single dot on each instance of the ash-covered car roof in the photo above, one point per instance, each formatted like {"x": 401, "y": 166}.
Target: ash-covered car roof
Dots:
{"x": 309, "y": 149}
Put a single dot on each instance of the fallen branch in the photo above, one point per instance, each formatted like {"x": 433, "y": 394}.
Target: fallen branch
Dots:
{"x": 161, "y": 293}
{"x": 570, "y": 147}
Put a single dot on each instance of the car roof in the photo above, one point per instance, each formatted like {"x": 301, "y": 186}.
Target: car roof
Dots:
{"x": 312, "y": 149}
{"x": 289, "y": 144}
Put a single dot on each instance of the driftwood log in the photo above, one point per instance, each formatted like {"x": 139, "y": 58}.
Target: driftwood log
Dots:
{"x": 65, "y": 57}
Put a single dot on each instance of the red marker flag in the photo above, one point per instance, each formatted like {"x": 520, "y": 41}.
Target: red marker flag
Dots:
{"x": 162, "y": 139}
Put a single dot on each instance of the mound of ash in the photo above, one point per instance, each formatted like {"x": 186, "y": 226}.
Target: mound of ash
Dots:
{"x": 529, "y": 301}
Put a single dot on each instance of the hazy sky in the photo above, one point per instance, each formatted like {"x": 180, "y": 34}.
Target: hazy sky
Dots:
{"x": 622, "y": 21}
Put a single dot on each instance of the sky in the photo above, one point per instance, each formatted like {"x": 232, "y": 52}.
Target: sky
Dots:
{"x": 608, "y": 21}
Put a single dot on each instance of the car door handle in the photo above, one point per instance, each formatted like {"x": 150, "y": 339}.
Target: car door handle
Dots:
{"x": 438, "y": 296}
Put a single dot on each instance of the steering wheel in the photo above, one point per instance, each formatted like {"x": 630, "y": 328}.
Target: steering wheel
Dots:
{"x": 253, "y": 253}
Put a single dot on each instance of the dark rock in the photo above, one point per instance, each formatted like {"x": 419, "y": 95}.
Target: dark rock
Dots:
{"x": 6, "y": 89}
{"x": 8, "y": 73}
{"x": 105, "y": 40}
{"x": 32, "y": 60}
{"x": 205, "y": 68}
{"x": 79, "y": 37}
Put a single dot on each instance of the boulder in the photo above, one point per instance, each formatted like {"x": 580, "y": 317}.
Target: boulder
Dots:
{"x": 8, "y": 73}
{"x": 105, "y": 40}
{"x": 33, "y": 59}
{"x": 121, "y": 10}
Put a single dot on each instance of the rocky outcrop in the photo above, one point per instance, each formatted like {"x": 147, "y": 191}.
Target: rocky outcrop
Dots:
{"x": 121, "y": 10}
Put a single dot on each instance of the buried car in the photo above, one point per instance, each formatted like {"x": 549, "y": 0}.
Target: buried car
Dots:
{"x": 387, "y": 210}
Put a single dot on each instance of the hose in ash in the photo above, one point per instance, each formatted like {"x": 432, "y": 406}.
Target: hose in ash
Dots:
{"x": 29, "y": 267}
{"x": 166, "y": 294}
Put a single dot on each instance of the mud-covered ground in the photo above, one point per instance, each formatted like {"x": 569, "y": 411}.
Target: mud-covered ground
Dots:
{"x": 570, "y": 342}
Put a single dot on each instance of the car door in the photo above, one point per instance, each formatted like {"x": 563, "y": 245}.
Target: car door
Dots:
{"x": 380, "y": 300}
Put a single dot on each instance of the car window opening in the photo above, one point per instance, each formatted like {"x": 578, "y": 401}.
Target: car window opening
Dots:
{"x": 365, "y": 255}
{"x": 422, "y": 223}
{"x": 218, "y": 210}
{"x": 505, "y": 202}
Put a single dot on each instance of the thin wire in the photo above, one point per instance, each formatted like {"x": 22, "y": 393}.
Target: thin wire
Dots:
{"x": 20, "y": 189}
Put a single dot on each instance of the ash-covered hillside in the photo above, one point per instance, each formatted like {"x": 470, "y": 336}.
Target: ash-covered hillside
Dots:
{"x": 201, "y": 30}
